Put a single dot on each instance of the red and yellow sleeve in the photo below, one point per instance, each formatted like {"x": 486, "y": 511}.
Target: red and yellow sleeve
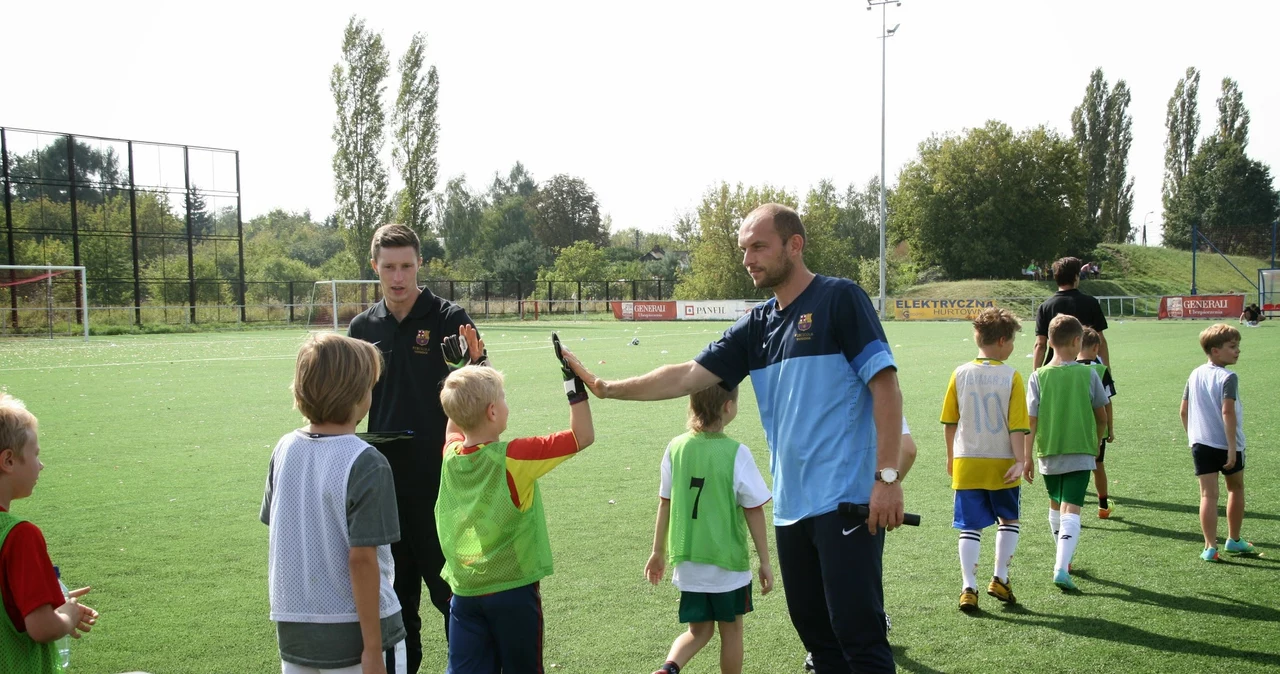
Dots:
{"x": 951, "y": 403}
{"x": 451, "y": 440}
{"x": 530, "y": 458}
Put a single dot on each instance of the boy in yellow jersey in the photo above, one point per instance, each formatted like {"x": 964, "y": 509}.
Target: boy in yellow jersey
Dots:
{"x": 1089, "y": 345}
{"x": 490, "y": 520}
{"x": 1067, "y": 407}
{"x": 985, "y": 413}
{"x": 711, "y": 496}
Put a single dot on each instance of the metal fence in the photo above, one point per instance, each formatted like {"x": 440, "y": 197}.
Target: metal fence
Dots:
{"x": 156, "y": 224}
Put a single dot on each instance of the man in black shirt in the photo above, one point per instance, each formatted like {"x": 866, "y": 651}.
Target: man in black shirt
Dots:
{"x": 1070, "y": 301}
{"x": 408, "y": 326}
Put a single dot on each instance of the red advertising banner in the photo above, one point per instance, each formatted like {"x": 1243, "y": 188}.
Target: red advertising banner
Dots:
{"x": 644, "y": 311}
{"x": 1201, "y": 306}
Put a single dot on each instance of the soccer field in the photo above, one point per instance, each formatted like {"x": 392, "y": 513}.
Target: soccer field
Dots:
{"x": 156, "y": 447}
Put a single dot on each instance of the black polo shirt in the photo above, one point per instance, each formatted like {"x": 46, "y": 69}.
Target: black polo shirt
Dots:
{"x": 1071, "y": 302}
{"x": 407, "y": 397}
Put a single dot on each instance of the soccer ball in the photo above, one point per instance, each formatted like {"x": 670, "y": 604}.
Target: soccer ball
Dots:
{"x": 635, "y": 341}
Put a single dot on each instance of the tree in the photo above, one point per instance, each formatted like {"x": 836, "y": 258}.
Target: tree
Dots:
{"x": 716, "y": 271}
{"x": 95, "y": 169}
{"x": 202, "y": 223}
{"x": 861, "y": 222}
{"x": 1102, "y": 130}
{"x": 360, "y": 179}
{"x": 1228, "y": 197}
{"x": 826, "y": 250}
{"x": 460, "y": 215}
{"x": 520, "y": 261}
{"x": 1182, "y": 121}
{"x": 510, "y": 213}
{"x": 1233, "y": 117}
{"x": 983, "y": 204}
{"x": 416, "y": 137}
{"x": 567, "y": 212}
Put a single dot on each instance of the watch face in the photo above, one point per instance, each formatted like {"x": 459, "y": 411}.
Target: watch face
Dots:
{"x": 889, "y": 475}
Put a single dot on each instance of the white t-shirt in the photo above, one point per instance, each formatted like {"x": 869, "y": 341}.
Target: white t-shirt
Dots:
{"x": 1207, "y": 389}
{"x": 752, "y": 492}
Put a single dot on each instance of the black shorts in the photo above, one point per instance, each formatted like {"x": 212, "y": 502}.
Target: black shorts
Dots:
{"x": 1102, "y": 450}
{"x": 1211, "y": 460}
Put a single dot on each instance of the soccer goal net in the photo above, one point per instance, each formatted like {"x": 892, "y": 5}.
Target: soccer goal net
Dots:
{"x": 334, "y": 303}
{"x": 43, "y": 301}
{"x": 1269, "y": 292}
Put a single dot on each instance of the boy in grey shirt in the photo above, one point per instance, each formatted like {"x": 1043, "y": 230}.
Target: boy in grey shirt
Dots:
{"x": 1213, "y": 417}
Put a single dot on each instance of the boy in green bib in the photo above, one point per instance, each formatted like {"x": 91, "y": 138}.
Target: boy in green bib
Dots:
{"x": 490, "y": 520}
{"x": 711, "y": 495}
{"x": 36, "y": 614}
{"x": 1066, "y": 405}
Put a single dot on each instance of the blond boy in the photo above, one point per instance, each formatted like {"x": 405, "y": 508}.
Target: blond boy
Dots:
{"x": 331, "y": 504}
{"x": 490, "y": 521}
{"x": 36, "y": 612}
{"x": 1213, "y": 417}
{"x": 1066, "y": 405}
{"x": 985, "y": 412}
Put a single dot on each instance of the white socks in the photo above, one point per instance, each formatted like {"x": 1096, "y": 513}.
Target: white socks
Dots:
{"x": 1055, "y": 525}
{"x": 1006, "y": 543}
{"x": 1068, "y": 536}
{"x": 970, "y": 548}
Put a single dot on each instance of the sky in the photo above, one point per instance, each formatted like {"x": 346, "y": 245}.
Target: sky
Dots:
{"x": 650, "y": 103}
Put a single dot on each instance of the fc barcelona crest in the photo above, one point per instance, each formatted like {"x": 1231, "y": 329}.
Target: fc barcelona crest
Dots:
{"x": 805, "y": 322}
{"x": 424, "y": 336}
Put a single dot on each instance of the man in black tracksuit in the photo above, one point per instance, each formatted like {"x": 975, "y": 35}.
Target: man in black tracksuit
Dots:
{"x": 408, "y": 325}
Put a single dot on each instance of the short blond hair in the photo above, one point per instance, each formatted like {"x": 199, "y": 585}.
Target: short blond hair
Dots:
{"x": 1217, "y": 336}
{"x": 17, "y": 425}
{"x": 706, "y": 407}
{"x": 994, "y": 324}
{"x": 468, "y": 392}
{"x": 1063, "y": 330}
{"x": 333, "y": 375}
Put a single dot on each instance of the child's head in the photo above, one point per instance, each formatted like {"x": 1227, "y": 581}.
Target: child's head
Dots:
{"x": 474, "y": 398}
{"x": 334, "y": 379}
{"x": 1064, "y": 335}
{"x": 994, "y": 330}
{"x": 712, "y": 408}
{"x": 1221, "y": 343}
{"x": 19, "y": 448}
{"x": 1090, "y": 342}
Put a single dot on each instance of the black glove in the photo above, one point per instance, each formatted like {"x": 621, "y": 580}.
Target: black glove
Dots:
{"x": 456, "y": 354}
{"x": 574, "y": 389}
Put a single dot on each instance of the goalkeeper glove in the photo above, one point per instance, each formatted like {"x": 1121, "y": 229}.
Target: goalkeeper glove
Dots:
{"x": 457, "y": 355}
{"x": 574, "y": 389}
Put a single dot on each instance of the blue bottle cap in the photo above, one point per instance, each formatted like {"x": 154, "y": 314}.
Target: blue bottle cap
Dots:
{"x": 57, "y": 572}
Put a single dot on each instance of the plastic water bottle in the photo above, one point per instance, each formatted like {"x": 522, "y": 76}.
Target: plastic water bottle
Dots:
{"x": 64, "y": 644}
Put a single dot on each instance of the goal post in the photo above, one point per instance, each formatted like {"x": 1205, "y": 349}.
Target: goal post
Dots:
{"x": 1269, "y": 292}
{"x": 333, "y": 303}
{"x": 24, "y": 280}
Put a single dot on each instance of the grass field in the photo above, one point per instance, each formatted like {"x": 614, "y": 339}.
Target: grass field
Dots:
{"x": 156, "y": 450}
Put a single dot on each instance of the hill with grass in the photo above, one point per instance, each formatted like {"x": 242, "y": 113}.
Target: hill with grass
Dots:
{"x": 1127, "y": 271}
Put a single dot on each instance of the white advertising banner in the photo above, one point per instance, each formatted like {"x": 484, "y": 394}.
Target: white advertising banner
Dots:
{"x": 712, "y": 310}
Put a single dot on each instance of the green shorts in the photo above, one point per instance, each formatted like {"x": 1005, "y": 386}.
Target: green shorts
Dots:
{"x": 725, "y": 607}
{"x": 1068, "y": 487}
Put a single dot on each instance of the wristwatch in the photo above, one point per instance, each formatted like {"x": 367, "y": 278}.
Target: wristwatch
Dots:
{"x": 887, "y": 475}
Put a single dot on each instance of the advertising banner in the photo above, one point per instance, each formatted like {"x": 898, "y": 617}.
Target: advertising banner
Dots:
{"x": 1201, "y": 306}
{"x": 939, "y": 310}
{"x": 712, "y": 310}
{"x": 644, "y": 311}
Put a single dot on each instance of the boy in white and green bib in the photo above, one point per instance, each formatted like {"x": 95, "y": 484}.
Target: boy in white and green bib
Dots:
{"x": 711, "y": 496}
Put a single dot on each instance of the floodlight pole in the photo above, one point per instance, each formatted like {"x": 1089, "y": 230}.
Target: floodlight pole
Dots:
{"x": 1144, "y": 226}
{"x": 885, "y": 34}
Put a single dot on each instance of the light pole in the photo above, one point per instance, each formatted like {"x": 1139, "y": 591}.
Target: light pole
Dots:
{"x": 1144, "y": 226}
{"x": 885, "y": 34}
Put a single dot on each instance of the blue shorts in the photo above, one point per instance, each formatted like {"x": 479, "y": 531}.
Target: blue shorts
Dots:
{"x": 978, "y": 509}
